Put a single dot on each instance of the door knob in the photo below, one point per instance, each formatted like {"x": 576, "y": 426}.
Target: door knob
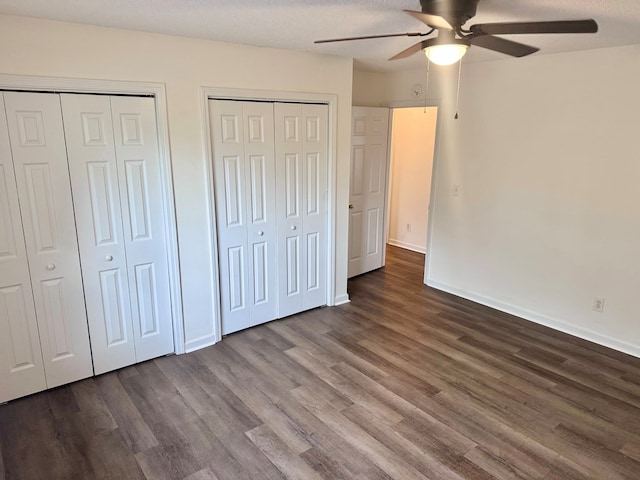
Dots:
{"x": 293, "y": 227}
{"x": 51, "y": 266}
{"x": 351, "y": 205}
{"x": 108, "y": 258}
{"x": 260, "y": 233}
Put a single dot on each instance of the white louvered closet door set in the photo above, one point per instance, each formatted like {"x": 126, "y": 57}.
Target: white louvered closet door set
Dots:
{"x": 84, "y": 282}
{"x": 270, "y": 176}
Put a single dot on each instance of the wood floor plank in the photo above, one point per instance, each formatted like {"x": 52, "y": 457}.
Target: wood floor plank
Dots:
{"x": 403, "y": 382}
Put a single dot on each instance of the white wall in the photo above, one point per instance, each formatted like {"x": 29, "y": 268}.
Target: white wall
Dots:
{"x": 37, "y": 47}
{"x": 548, "y": 216}
{"x": 412, "y": 143}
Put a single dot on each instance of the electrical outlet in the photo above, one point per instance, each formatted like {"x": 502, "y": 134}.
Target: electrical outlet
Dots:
{"x": 455, "y": 190}
{"x": 598, "y": 304}
{"x": 408, "y": 227}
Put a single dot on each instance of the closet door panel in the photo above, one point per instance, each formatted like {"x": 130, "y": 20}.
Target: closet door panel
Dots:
{"x": 290, "y": 190}
{"x": 301, "y": 153}
{"x": 21, "y": 368}
{"x": 244, "y": 180}
{"x": 231, "y": 201}
{"x": 37, "y": 142}
{"x": 261, "y": 221}
{"x": 140, "y": 184}
{"x": 314, "y": 152}
{"x": 96, "y": 196}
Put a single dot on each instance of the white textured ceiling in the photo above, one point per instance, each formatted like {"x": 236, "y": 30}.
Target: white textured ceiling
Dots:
{"x": 295, "y": 24}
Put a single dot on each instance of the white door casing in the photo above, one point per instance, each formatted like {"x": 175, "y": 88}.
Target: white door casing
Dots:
{"x": 301, "y": 173}
{"x": 244, "y": 178}
{"x": 112, "y": 149}
{"x": 39, "y": 154}
{"x": 21, "y": 368}
{"x": 367, "y": 195}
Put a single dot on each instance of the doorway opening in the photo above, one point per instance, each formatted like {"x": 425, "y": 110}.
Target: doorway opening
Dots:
{"x": 411, "y": 155}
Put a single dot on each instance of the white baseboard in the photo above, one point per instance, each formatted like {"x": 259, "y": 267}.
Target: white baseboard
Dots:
{"x": 341, "y": 299}
{"x": 408, "y": 246}
{"x": 589, "y": 335}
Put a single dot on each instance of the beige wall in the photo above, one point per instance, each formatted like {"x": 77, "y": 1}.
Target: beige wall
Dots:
{"x": 545, "y": 152}
{"x": 44, "y": 48}
{"x": 412, "y": 144}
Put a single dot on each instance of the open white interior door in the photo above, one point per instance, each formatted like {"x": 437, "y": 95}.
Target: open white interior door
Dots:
{"x": 367, "y": 196}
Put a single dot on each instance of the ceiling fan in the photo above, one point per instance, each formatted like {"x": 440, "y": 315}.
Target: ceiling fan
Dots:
{"x": 448, "y": 17}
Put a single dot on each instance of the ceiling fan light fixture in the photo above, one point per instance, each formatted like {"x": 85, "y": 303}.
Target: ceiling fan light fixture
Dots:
{"x": 446, "y": 53}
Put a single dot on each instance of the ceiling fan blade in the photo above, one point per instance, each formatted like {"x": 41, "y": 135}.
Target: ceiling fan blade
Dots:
{"x": 434, "y": 21}
{"x": 366, "y": 37}
{"x": 508, "y": 28}
{"x": 413, "y": 49}
{"x": 502, "y": 45}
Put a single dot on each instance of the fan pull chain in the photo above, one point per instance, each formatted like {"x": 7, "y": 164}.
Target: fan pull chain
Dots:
{"x": 426, "y": 88}
{"x": 458, "y": 88}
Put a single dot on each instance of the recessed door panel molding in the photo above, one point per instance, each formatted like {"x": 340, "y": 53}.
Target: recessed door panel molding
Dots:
{"x": 8, "y": 212}
{"x": 357, "y": 170}
{"x": 292, "y": 184}
{"x": 367, "y": 196}
{"x": 245, "y": 206}
{"x": 373, "y": 228}
{"x": 41, "y": 206}
{"x": 53, "y": 295}
{"x": 292, "y": 266}
{"x": 376, "y": 157}
{"x": 102, "y": 202}
{"x": 30, "y": 126}
{"x": 258, "y": 186}
{"x": 21, "y": 367}
{"x": 355, "y": 236}
{"x": 138, "y": 193}
{"x": 313, "y": 184}
{"x": 236, "y": 279}
{"x": 42, "y": 176}
{"x": 13, "y": 311}
{"x": 146, "y": 288}
{"x": 314, "y": 256}
{"x": 234, "y": 190}
{"x": 115, "y": 317}
{"x": 261, "y": 268}
{"x": 131, "y": 129}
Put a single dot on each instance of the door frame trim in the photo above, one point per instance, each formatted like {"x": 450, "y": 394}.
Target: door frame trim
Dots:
{"x": 208, "y": 93}
{"x": 158, "y": 92}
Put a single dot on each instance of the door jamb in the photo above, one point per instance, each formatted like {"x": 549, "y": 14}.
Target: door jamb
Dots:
{"x": 207, "y": 93}
{"x": 117, "y": 87}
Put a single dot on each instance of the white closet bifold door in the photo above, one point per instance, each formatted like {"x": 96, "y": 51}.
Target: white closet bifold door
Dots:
{"x": 21, "y": 369}
{"x": 244, "y": 176}
{"x": 94, "y": 176}
{"x": 301, "y": 172}
{"x": 113, "y": 161}
{"x": 141, "y": 203}
{"x": 42, "y": 178}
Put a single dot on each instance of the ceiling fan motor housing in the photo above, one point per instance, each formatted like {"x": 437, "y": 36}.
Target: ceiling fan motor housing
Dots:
{"x": 456, "y": 12}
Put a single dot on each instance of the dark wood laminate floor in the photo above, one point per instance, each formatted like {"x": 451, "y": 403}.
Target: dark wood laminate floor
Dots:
{"x": 404, "y": 382}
